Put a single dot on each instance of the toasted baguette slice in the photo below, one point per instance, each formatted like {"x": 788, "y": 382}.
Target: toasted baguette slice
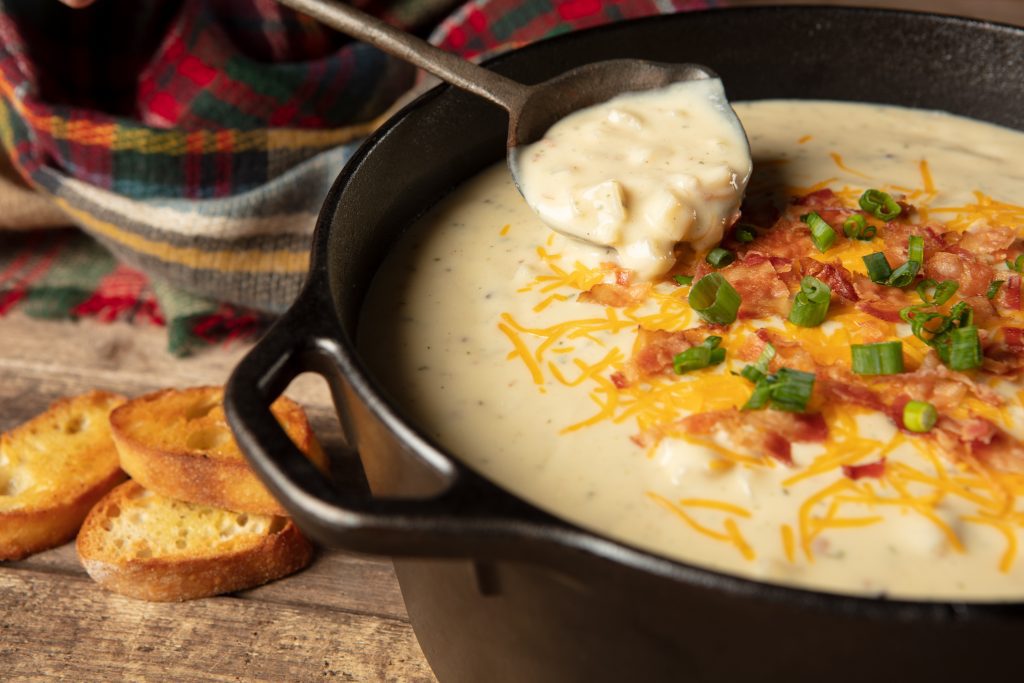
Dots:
{"x": 147, "y": 546}
{"x": 53, "y": 469}
{"x": 177, "y": 443}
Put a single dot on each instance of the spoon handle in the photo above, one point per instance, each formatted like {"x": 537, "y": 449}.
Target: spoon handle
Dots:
{"x": 446, "y": 66}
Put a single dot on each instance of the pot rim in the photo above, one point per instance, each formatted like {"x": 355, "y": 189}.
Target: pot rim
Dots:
{"x": 331, "y": 338}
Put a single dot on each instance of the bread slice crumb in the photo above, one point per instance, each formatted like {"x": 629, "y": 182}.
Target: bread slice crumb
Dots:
{"x": 53, "y": 468}
{"x": 177, "y": 443}
{"x": 144, "y": 545}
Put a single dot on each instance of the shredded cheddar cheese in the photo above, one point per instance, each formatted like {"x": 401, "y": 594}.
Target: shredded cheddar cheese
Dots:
{"x": 917, "y": 481}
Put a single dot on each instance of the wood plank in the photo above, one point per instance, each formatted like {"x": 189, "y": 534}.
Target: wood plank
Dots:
{"x": 336, "y": 580}
{"x": 52, "y": 630}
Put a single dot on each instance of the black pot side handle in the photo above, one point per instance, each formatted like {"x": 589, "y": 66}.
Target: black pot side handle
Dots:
{"x": 471, "y": 518}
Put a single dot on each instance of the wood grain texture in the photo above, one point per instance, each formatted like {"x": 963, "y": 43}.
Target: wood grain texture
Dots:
{"x": 55, "y": 630}
{"x": 343, "y": 618}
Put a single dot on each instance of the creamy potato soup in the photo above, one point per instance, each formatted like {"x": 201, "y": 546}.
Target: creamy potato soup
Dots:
{"x": 642, "y": 172}
{"x": 831, "y": 400}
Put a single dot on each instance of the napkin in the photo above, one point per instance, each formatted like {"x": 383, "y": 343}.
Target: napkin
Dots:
{"x": 166, "y": 160}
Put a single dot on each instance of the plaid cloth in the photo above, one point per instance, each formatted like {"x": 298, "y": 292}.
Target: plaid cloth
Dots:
{"x": 193, "y": 142}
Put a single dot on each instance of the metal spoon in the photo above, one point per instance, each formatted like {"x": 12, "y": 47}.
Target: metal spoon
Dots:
{"x": 532, "y": 109}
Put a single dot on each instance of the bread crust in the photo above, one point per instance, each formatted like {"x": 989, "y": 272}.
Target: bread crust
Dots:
{"x": 32, "y": 521}
{"x": 174, "y": 578}
{"x": 176, "y": 464}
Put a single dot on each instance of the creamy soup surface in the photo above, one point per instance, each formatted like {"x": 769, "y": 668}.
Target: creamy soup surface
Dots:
{"x": 476, "y": 327}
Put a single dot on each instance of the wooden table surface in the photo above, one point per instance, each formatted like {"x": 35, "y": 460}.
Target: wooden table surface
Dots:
{"x": 342, "y": 618}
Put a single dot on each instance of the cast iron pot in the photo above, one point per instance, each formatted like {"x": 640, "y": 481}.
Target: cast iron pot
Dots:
{"x": 498, "y": 590}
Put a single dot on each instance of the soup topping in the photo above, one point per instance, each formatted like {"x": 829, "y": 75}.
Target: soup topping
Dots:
{"x": 829, "y": 397}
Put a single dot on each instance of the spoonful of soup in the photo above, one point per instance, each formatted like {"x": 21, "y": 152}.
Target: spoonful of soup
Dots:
{"x": 627, "y": 154}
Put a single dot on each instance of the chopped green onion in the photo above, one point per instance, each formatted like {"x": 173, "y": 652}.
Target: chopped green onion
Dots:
{"x": 744, "y": 233}
{"x": 904, "y": 275}
{"x": 961, "y": 315}
{"x": 792, "y": 390}
{"x": 943, "y": 291}
{"x": 921, "y": 318}
{"x": 915, "y": 248}
{"x": 919, "y": 416}
{"x": 788, "y": 390}
{"x": 683, "y": 280}
{"x": 821, "y": 232}
{"x": 698, "y": 357}
{"x": 880, "y": 204}
{"x": 811, "y": 303}
{"x": 965, "y": 349}
{"x": 762, "y": 394}
{"x": 719, "y": 257}
{"x": 759, "y": 370}
{"x": 993, "y": 288}
{"x": 879, "y": 269}
{"x": 1017, "y": 265}
{"x": 854, "y": 226}
{"x": 884, "y": 358}
{"x": 714, "y": 299}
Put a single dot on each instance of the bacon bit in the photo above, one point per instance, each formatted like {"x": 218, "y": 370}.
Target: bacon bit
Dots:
{"x": 1014, "y": 336}
{"x": 1009, "y": 294}
{"x": 960, "y": 265}
{"x": 896, "y": 235}
{"x": 616, "y": 295}
{"x": 787, "y": 353}
{"x": 790, "y": 238}
{"x": 895, "y": 411}
{"x": 984, "y": 311}
{"x": 762, "y": 290}
{"x": 988, "y": 240}
{"x": 832, "y": 274}
{"x": 761, "y": 431}
{"x": 1006, "y": 357}
{"x": 847, "y": 390}
{"x": 980, "y": 441}
{"x": 873, "y": 470}
{"x": 819, "y": 199}
{"x": 940, "y": 386}
{"x": 654, "y": 351}
{"x": 884, "y": 303}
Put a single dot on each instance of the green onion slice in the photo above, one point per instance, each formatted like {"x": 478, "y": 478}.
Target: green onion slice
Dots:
{"x": 884, "y": 358}
{"x": 915, "y": 248}
{"x": 697, "y": 357}
{"x": 811, "y": 303}
{"x": 822, "y": 233}
{"x": 855, "y": 226}
{"x": 961, "y": 315}
{"x": 965, "y": 348}
{"x": 719, "y": 257}
{"x": 993, "y": 288}
{"x": 759, "y": 370}
{"x": 880, "y": 204}
{"x": 1017, "y": 264}
{"x": 714, "y": 299}
{"x": 879, "y": 269}
{"x": 788, "y": 390}
{"x": 943, "y": 291}
{"x": 919, "y": 416}
{"x": 744, "y": 233}
{"x": 683, "y": 280}
{"x": 904, "y": 275}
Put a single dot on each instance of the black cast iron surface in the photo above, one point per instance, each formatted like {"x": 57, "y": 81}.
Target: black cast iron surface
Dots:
{"x": 516, "y": 595}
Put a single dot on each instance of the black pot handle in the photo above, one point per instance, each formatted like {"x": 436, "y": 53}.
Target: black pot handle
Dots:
{"x": 471, "y": 518}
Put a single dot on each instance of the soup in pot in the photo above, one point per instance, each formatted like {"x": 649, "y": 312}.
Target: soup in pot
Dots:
{"x": 831, "y": 398}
